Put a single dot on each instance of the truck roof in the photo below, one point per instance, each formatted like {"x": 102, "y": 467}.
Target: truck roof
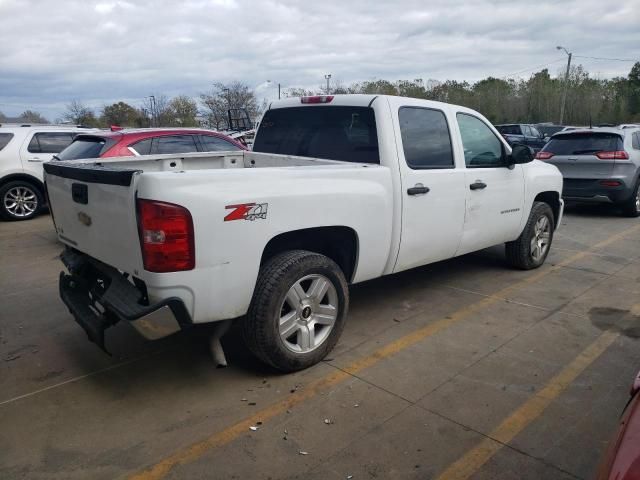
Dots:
{"x": 352, "y": 99}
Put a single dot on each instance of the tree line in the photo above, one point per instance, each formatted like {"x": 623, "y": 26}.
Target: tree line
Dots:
{"x": 537, "y": 99}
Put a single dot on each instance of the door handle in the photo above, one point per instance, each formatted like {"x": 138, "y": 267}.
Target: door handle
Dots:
{"x": 418, "y": 189}
{"x": 478, "y": 185}
{"x": 34, "y": 159}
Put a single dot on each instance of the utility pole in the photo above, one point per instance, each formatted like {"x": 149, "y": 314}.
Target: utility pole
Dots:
{"x": 269, "y": 81}
{"x": 327, "y": 78}
{"x": 566, "y": 83}
{"x": 152, "y": 104}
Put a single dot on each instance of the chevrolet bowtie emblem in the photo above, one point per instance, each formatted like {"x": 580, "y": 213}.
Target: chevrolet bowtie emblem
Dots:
{"x": 84, "y": 218}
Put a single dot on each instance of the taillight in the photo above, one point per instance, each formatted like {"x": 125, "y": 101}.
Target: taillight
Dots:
{"x": 617, "y": 155}
{"x": 317, "y": 99}
{"x": 544, "y": 155}
{"x": 610, "y": 183}
{"x": 166, "y": 236}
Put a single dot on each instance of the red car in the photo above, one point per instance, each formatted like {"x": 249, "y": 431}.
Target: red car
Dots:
{"x": 622, "y": 460}
{"x": 147, "y": 141}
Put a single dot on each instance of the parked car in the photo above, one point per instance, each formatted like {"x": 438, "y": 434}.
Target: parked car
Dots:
{"x": 522, "y": 133}
{"x": 146, "y": 141}
{"x": 549, "y": 129}
{"x": 338, "y": 190}
{"x": 23, "y": 149}
{"x": 622, "y": 459}
{"x": 598, "y": 165}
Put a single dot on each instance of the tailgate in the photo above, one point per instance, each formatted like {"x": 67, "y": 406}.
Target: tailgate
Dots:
{"x": 94, "y": 211}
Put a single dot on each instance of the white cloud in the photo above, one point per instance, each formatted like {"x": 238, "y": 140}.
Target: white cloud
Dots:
{"x": 105, "y": 51}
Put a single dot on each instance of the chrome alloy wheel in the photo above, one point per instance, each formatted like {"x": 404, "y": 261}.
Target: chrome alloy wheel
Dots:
{"x": 540, "y": 240}
{"x": 308, "y": 313}
{"x": 20, "y": 201}
{"x": 638, "y": 198}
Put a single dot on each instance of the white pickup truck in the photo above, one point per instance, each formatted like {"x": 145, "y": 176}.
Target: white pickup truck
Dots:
{"x": 338, "y": 190}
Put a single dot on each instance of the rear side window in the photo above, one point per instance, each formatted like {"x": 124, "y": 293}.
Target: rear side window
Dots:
{"x": 174, "y": 144}
{"x": 143, "y": 147}
{"x": 509, "y": 129}
{"x": 211, "y": 143}
{"x": 5, "y": 138}
{"x": 49, "y": 142}
{"x": 86, "y": 147}
{"x": 584, "y": 143}
{"x": 425, "y": 138}
{"x": 329, "y": 132}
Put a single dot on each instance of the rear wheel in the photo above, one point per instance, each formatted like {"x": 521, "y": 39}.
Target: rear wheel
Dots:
{"x": 631, "y": 208}
{"x": 532, "y": 246}
{"x": 298, "y": 310}
{"x": 20, "y": 200}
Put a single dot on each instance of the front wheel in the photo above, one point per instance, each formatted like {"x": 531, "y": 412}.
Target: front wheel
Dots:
{"x": 298, "y": 310}
{"x": 532, "y": 246}
{"x": 20, "y": 200}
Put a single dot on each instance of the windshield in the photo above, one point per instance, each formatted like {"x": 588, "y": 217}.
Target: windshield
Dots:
{"x": 333, "y": 133}
{"x": 584, "y": 143}
{"x": 86, "y": 147}
{"x": 549, "y": 129}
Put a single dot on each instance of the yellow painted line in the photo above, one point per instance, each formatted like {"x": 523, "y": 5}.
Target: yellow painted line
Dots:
{"x": 196, "y": 450}
{"x": 475, "y": 458}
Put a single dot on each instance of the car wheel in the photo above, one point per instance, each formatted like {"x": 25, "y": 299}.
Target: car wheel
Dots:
{"x": 631, "y": 208}
{"x": 20, "y": 200}
{"x": 298, "y": 310}
{"x": 532, "y": 246}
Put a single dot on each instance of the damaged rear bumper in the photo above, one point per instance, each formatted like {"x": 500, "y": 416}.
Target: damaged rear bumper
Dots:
{"x": 99, "y": 296}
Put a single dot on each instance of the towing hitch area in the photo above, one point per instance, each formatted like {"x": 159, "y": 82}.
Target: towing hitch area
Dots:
{"x": 99, "y": 296}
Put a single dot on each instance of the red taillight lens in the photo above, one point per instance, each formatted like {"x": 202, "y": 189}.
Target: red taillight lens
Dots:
{"x": 610, "y": 183}
{"x": 317, "y": 99}
{"x": 544, "y": 155}
{"x": 166, "y": 236}
{"x": 617, "y": 155}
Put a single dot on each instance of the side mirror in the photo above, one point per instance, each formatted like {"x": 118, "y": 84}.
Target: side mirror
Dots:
{"x": 520, "y": 154}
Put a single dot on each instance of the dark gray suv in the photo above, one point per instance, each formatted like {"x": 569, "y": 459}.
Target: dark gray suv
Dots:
{"x": 598, "y": 165}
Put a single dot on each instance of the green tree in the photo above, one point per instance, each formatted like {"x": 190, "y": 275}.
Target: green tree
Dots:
{"x": 184, "y": 111}
{"x": 121, "y": 114}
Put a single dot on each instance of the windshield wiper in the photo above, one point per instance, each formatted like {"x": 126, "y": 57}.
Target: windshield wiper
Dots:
{"x": 56, "y": 157}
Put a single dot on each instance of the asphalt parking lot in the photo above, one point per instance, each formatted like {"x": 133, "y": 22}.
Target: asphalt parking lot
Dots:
{"x": 462, "y": 369}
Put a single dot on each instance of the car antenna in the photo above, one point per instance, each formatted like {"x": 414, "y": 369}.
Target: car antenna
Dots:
{"x": 590, "y": 123}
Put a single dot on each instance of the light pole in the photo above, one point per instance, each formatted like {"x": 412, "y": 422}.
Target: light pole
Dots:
{"x": 269, "y": 81}
{"x": 152, "y": 104}
{"x": 327, "y": 77}
{"x": 566, "y": 83}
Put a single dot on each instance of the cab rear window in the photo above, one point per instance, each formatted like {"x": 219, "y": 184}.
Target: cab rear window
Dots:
{"x": 584, "y": 143}
{"x": 86, "y": 147}
{"x": 332, "y": 133}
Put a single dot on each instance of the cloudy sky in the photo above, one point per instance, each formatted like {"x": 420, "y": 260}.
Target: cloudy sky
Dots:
{"x": 103, "y": 51}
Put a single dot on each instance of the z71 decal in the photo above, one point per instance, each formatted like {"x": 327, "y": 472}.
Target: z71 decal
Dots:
{"x": 247, "y": 211}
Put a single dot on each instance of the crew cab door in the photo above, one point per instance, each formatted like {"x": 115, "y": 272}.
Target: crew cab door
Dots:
{"x": 433, "y": 196}
{"x": 494, "y": 192}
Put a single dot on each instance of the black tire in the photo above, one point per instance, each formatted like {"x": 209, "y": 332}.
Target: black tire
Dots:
{"x": 260, "y": 327}
{"x": 631, "y": 207}
{"x": 9, "y": 213}
{"x": 519, "y": 252}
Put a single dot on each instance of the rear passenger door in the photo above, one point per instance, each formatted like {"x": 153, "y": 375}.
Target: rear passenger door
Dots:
{"x": 433, "y": 196}
{"x": 494, "y": 192}
{"x": 41, "y": 147}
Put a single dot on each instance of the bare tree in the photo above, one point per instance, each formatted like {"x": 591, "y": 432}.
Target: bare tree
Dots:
{"x": 80, "y": 114}
{"x": 184, "y": 111}
{"x": 30, "y": 116}
{"x": 160, "y": 111}
{"x": 223, "y": 97}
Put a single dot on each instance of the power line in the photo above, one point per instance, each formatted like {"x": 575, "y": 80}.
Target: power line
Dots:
{"x": 612, "y": 59}
{"x": 533, "y": 68}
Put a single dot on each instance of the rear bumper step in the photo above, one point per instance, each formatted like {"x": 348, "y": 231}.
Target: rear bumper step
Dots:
{"x": 99, "y": 296}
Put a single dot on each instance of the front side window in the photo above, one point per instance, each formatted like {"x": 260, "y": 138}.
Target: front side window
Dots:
{"x": 425, "y": 138}
{"x": 5, "y": 138}
{"x": 535, "y": 132}
{"x": 481, "y": 147}
{"x": 49, "y": 142}
{"x": 175, "y": 144}
{"x": 211, "y": 143}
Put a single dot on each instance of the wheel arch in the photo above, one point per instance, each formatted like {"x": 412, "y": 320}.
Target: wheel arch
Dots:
{"x": 25, "y": 177}
{"x": 552, "y": 199}
{"x": 339, "y": 243}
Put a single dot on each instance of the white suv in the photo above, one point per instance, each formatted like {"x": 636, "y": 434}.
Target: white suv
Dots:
{"x": 23, "y": 149}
